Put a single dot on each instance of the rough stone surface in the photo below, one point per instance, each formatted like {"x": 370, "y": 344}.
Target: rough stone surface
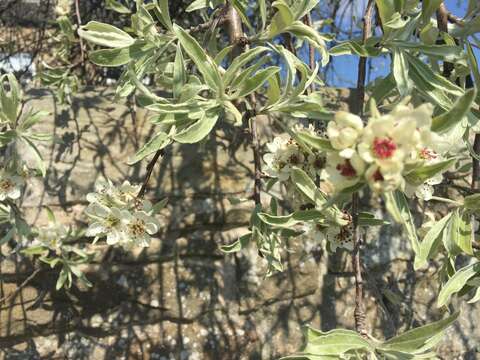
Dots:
{"x": 182, "y": 298}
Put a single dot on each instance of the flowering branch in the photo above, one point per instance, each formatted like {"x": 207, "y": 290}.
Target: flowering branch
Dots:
{"x": 150, "y": 167}
{"x": 359, "y": 312}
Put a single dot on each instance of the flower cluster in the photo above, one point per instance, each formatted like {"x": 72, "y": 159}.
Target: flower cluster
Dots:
{"x": 117, "y": 214}
{"x": 383, "y": 151}
{"x": 285, "y": 153}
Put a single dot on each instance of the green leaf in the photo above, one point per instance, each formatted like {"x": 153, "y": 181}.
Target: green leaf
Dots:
{"x": 281, "y": 20}
{"x": 62, "y": 278}
{"x": 10, "y": 100}
{"x": 300, "y": 8}
{"x": 430, "y": 242}
{"x": 198, "y": 130}
{"x": 456, "y": 114}
{"x": 316, "y": 142}
{"x": 428, "y": 9}
{"x": 400, "y": 72}
{"x": 197, "y": 5}
{"x": 204, "y": 63}
{"x": 367, "y": 219}
{"x": 179, "y": 74}
{"x": 457, "y": 282}
{"x": 159, "y": 141}
{"x": 117, "y": 6}
{"x": 119, "y": 56}
{"x": 334, "y": 342}
{"x": 290, "y": 220}
{"x": 461, "y": 232}
{"x": 252, "y": 84}
{"x": 446, "y": 52}
{"x": 353, "y": 47}
{"x": 420, "y": 339}
{"x": 238, "y": 245}
{"x": 164, "y": 15}
{"x": 302, "y": 31}
{"x": 105, "y": 35}
{"x": 421, "y": 174}
{"x": 397, "y": 206}
{"x": 472, "y": 202}
{"x": 159, "y": 206}
{"x": 240, "y": 61}
{"x": 263, "y": 12}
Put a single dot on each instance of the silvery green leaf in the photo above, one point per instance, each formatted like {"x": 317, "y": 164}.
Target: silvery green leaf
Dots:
{"x": 398, "y": 207}
{"x": 335, "y": 342}
{"x": 204, "y": 63}
{"x": 117, "y": 6}
{"x": 472, "y": 202}
{"x": 250, "y": 85}
{"x": 241, "y": 61}
{"x": 238, "y": 245}
{"x": 456, "y": 114}
{"x": 354, "y": 47}
{"x": 421, "y": 174}
{"x": 290, "y": 220}
{"x": 281, "y": 20}
{"x": 36, "y": 153}
{"x": 302, "y": 31}
{"x": 428, "y": 9}
{"x": 179, "y": 74}
{"x": 105, "y": 35}
{"x": 263, "y": 12}
{"x": 161, "y": 10}
{"x": 314, "y": 141}
{"x": 420, "y": 339}
{"x": 430, "y": 242}
{"x": 457, "y": 282}
{"x": 10, "y": 100}
{"x": 367, "y": 219}
{"x": 199, "y": 129}
{"x": 300, "y": 8}
{"x": 400, "y": 72}
{"x": 159, "y": 141}
{"x": 446, "y": 52}
{"x": 120, "y": 56}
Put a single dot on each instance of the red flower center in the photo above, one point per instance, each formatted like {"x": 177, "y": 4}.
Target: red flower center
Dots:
{"x": 377, "y": 176}
{"x": 428, "y": 154}
{"x": 384, "y": 148}
{"x": 346, "y": 169}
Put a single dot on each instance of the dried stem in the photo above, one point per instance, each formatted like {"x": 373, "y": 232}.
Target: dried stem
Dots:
{"x": 359, "y": 313}
{"x": 476, "y": 164}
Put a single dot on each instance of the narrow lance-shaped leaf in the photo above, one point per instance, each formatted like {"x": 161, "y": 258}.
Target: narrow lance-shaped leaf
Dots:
{"x": 252, "y": 84}
{"x": 400, "y": 72}
{"x": 179, "y": 75}
{"x": 205, "y": 64}
{"x": 159, "y": 141}
{"x": 457, "y": 282}
{"x": 105, "y": 35}
{"x": 199, "y": 129}
{"x": 456, "y": 114}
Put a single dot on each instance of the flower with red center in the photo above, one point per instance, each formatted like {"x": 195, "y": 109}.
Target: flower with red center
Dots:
{"x": 428, "y": 154}
{"x": 377, "y": 176}
{"x": 384, "y": 148}
{"x": 346, "y": 169}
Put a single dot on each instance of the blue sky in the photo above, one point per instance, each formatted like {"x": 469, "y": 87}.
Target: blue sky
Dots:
{"x": 342, "y": 71}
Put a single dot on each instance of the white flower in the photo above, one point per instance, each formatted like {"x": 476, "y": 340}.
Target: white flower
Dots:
{"x": 52, "y": 236}
{"x": 140, "y": 226}
{"x": 386, "y": 178}
{"x": 340, "y": 237}
{"x": 344, "y": 130}
{"x": 425, "y": 191}
{"x": 284, "y": 154}
{"x": 10, "y": 186}
{"x": 343, "y": 173}
{"x": 109, "y": 222}
{"x": 314, "y": 231}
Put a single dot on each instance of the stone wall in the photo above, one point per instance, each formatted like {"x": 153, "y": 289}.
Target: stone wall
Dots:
{"x": 182, "y": 298}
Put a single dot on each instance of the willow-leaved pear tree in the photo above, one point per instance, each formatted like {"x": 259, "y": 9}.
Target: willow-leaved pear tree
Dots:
{"x": 407, "y": 131}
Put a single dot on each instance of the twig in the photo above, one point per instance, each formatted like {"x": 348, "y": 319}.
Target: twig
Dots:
{"x": 359, "y": 312}
{"x": 212, "y": 23}
{"x": 311, "y": 50}
{"x": 22, "y": 285}
{"x": 476, "y": 164}
{"x": 150, "y": 167}
{"x": 442, "y": 23}
{"x": 79, "y": 23}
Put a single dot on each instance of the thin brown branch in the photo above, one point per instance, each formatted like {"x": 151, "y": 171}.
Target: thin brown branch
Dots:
{"x": 218, "y": 20}
{"x": 442, "y": 23}
{"x": 359, "y": 313}
{"x": 22, "y": 285}
{"x": 150, "y": 167}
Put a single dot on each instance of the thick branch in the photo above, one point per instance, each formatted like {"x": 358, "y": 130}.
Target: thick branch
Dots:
{"x": 359, "y": 312}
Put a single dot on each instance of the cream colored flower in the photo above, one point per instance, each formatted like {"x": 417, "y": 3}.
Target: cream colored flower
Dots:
{"x": 10, "y": 185}
{"x": 344, "y": 130}
{"x": 109, "y": 222}
{"x": 386, "y": 178}
{"x": 343, "y": 173}
{"x": 139, "y": 228}
{"x": 284, "y": 154}
{"x": 425, "y": 191}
